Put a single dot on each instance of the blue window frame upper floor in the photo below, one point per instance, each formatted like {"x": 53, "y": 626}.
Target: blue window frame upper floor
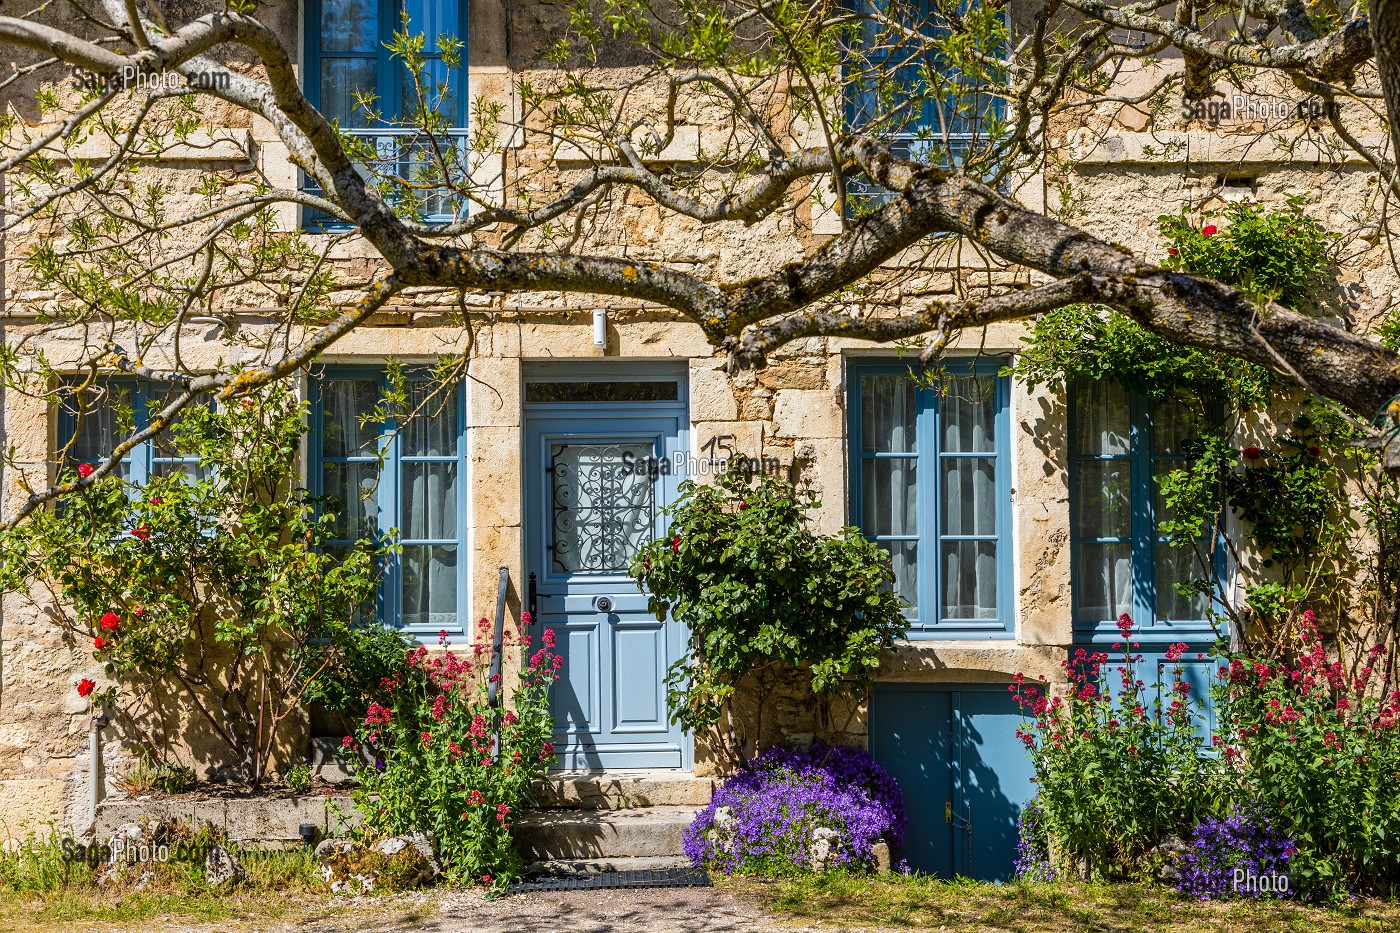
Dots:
{"x": 347, "y": 58}
{"x": 1121, "y": 443}
{"x": 93, "y": 421}
{"x": 387, "y": 476}
{"x": 931, "y": 483}
{"x": 926, "y": 108}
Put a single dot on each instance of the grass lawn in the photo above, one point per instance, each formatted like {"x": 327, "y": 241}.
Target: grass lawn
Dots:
{"x": 895, "y": 902}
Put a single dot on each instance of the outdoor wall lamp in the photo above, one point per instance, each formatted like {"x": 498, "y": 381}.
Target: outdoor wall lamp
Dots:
{"x": 600, "y": 328}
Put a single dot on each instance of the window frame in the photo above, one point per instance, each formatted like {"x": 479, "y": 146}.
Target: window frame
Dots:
{"x": 389, "y": 81}
{"x": 1143, "y": 538}
{"x": 927, "y": 622}
{"x": 142, "y": 459}
{"x": 389, "y": 495}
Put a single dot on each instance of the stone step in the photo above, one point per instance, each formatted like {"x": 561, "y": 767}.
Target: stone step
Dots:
{"x": 592, "y": 866}
{"x": 592, "y": 835}
{"x": 620, "y": 790}
{"x": 326, "y": 763}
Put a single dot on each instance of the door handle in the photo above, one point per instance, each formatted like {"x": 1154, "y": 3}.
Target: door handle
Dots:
{"x": 948, "y": 812}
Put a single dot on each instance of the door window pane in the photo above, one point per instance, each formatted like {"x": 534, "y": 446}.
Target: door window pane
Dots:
{"x": 603, "y": 507}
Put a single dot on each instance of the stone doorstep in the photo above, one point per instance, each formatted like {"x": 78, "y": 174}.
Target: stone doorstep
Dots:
{"x": 256, "y": 821}
{"x": 620, "y": 790}
{"x": 592, "y": 835}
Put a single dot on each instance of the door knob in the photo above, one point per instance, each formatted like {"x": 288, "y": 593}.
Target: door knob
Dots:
{"x": 603, "y": 604}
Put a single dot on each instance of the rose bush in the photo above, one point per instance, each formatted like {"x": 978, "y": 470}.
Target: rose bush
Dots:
{"x": 443, "y": 760}
{"x": 789, "y": 812}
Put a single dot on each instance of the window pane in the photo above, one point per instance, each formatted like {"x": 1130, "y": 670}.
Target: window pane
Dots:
{"x": 1174, "y": 423}
{"x": 1161, "y": 513}
{"x": 1101, "y": 419}
{"x": 349, "y": 25}
{"x": 1178, "y": 565}
{"x": 341, "y": 78}
{"x": 887, "y": 414}
{"x": 98, "y": 430}
{"x": 1104, "y": 499}
{"x": 440, "y": 93}
{"x": 1105, "y": 581}
{"x": 890, "y": 503}
{"x": 904, "y": 558}
{"x": 969, "y": 496}
{"x": 969, "y": 580}
{"x": 431, "y": 431}
{"x": 430, "y": 585}
{"x": 345, "y": 402}
{"x": 429, "y": 501}
{"x": 969, "y": 415}
{"x": 192, "y": 469}
{"x": 666, "y": 391}
{"x": 355, "y": 507}
{"x": 433, "y": 18}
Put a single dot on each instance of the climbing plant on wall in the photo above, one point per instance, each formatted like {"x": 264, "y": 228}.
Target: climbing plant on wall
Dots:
{"x": 1278, "y": 476}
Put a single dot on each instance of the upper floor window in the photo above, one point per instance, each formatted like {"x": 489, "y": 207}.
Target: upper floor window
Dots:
{"x": 1121, "y": 442}
{"x": 397, "y": 475}
{"x": 930, "y": 482}
{"x": 902, "y": 85}
{"x": 93, "y": 421}
{"x": 410, "y": 126}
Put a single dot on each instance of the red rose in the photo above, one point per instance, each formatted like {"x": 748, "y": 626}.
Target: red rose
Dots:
{"x": 85, "y": 687}
{"x": 1314, "y": 451}
{"x": 138, "y": 612}
{"x": 1251, "y": 453}
{"x": 675, "y": 544}
{"x": 140, "y": 532}
{"x": 85, "y": 470}
{"x": 1210, "y": 230}
{"x": 99, "y": 642}
{"x": 1171, "y": 251}
{"x": 155, "y": 500}
{"x": 110, "y": 621}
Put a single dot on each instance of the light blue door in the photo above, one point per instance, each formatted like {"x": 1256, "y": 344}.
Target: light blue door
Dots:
{"x": 597, "y": 476}
{"x": 965, "y": 775}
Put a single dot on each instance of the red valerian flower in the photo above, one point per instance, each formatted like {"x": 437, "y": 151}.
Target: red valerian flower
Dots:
{"x": 85, "y": 470}
{"x": 85, "y": 687}
{"x": 1251, "y": 453}
{"x": 110, "y": 621}
{"x": 1210, "y": 230}
{"x": 1175, "y": 651}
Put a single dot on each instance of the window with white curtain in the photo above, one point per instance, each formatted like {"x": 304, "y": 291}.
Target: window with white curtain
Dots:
{"x": 1121, "y": 442}
{"x": 399, "y": 473}
{"x": 92, "y": 421}
{"x": 930, "y": 483}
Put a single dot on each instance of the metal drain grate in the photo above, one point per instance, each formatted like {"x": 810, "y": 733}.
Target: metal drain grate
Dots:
{"x": 605, "y": 880}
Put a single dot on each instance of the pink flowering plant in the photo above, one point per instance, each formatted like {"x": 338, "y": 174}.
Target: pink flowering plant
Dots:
{"x": 1117, "y": 759}
{"x": 438, "y": 757}
{"x": 1314, "y": 744}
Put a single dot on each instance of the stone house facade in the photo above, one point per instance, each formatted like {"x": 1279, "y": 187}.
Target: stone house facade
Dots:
{"x": 982, "y": 493}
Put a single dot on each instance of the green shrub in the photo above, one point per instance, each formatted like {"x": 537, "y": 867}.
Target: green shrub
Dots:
{"x": 759, "y": 591}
